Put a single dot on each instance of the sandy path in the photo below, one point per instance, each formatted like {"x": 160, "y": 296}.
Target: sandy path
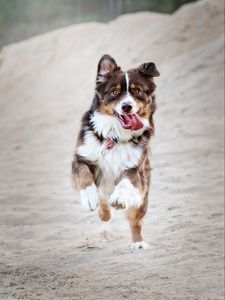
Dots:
{"x": 50, "y": 248}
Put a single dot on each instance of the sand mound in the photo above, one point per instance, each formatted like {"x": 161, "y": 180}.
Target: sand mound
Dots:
{"x": 50, "y": 248}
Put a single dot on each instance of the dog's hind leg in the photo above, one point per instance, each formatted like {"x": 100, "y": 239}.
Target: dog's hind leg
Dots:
{"x": 135, "y": 218}
{"x": 104, "y": 211}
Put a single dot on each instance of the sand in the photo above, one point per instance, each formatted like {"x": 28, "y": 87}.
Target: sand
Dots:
{"x": 50, "y": 247}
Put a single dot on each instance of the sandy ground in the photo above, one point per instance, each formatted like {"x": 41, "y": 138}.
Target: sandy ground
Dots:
{"x": 50, "y": 247}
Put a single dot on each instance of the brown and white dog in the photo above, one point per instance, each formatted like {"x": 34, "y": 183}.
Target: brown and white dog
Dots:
{"x": 111, "y": 163}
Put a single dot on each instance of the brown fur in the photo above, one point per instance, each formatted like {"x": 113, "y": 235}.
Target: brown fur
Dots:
{"x": 104, "y": 211}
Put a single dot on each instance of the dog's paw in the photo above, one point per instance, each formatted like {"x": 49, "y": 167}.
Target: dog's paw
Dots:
{"x": 139, "y": 245}
{"x": 89, "y": 197}
{"x": 125, "y": 195}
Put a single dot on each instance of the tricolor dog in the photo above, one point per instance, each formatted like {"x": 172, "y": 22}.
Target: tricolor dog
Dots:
{"x": 111, "y": 166}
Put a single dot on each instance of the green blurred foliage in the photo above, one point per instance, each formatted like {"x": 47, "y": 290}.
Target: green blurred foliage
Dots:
{"x": 20, "y": 19}
{"x": 163, "y": 6}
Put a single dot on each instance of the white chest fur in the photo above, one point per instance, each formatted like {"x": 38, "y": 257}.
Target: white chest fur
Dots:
{"x": 120, "y": 158}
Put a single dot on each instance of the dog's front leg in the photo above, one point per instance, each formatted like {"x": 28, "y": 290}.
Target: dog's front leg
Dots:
{"x": 83, "y": 180}
{"x": 131, "y": 193}
{"x": 128, "y": 192}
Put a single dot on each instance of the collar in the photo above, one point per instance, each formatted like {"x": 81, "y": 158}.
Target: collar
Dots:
{"x": 111, "y": 142}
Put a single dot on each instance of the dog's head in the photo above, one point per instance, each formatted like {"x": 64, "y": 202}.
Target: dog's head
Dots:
{"x": 129, "y": 96}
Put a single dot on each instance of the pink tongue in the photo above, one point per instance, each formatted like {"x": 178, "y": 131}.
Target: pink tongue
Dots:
{"x": 131, "y": 122}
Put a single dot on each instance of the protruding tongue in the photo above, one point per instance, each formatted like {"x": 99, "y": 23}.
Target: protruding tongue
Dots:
{"x": 132, "y": 122}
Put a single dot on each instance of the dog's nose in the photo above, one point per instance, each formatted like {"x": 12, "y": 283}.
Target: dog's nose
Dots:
{"x": 126, "y": 107}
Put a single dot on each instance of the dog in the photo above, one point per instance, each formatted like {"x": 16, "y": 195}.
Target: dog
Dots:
{"x": 111, "y": 166}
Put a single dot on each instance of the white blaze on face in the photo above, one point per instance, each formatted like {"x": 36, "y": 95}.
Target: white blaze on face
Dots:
{"x": 127, "y": 99}
{"x": 127, "y": 81}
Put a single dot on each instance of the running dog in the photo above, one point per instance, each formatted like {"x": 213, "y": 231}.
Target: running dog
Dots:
{"x": 111, "y": 166}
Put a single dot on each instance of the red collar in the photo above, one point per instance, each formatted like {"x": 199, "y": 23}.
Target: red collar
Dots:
{"x": 110, "y": 144}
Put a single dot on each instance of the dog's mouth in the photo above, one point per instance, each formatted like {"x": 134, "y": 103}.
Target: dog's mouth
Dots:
{"x": 132, "y": 122}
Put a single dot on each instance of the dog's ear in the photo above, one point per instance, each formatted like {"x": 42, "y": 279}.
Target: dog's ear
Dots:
{"x": 107, "y": 65}
{"x": 149, "y": 69}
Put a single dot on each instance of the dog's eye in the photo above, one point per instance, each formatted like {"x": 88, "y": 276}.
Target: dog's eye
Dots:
{"x": 115, "y": 92}
{"x": 136, "y": 91}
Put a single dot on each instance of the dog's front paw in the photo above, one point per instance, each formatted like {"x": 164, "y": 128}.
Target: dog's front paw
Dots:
{"x": 139, "y": 245}
{"x": 89, "y": 197}
{"x": 125, "y": 195}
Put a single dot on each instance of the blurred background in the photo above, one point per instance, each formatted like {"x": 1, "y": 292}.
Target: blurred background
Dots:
{"x": 21, "y": 19}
